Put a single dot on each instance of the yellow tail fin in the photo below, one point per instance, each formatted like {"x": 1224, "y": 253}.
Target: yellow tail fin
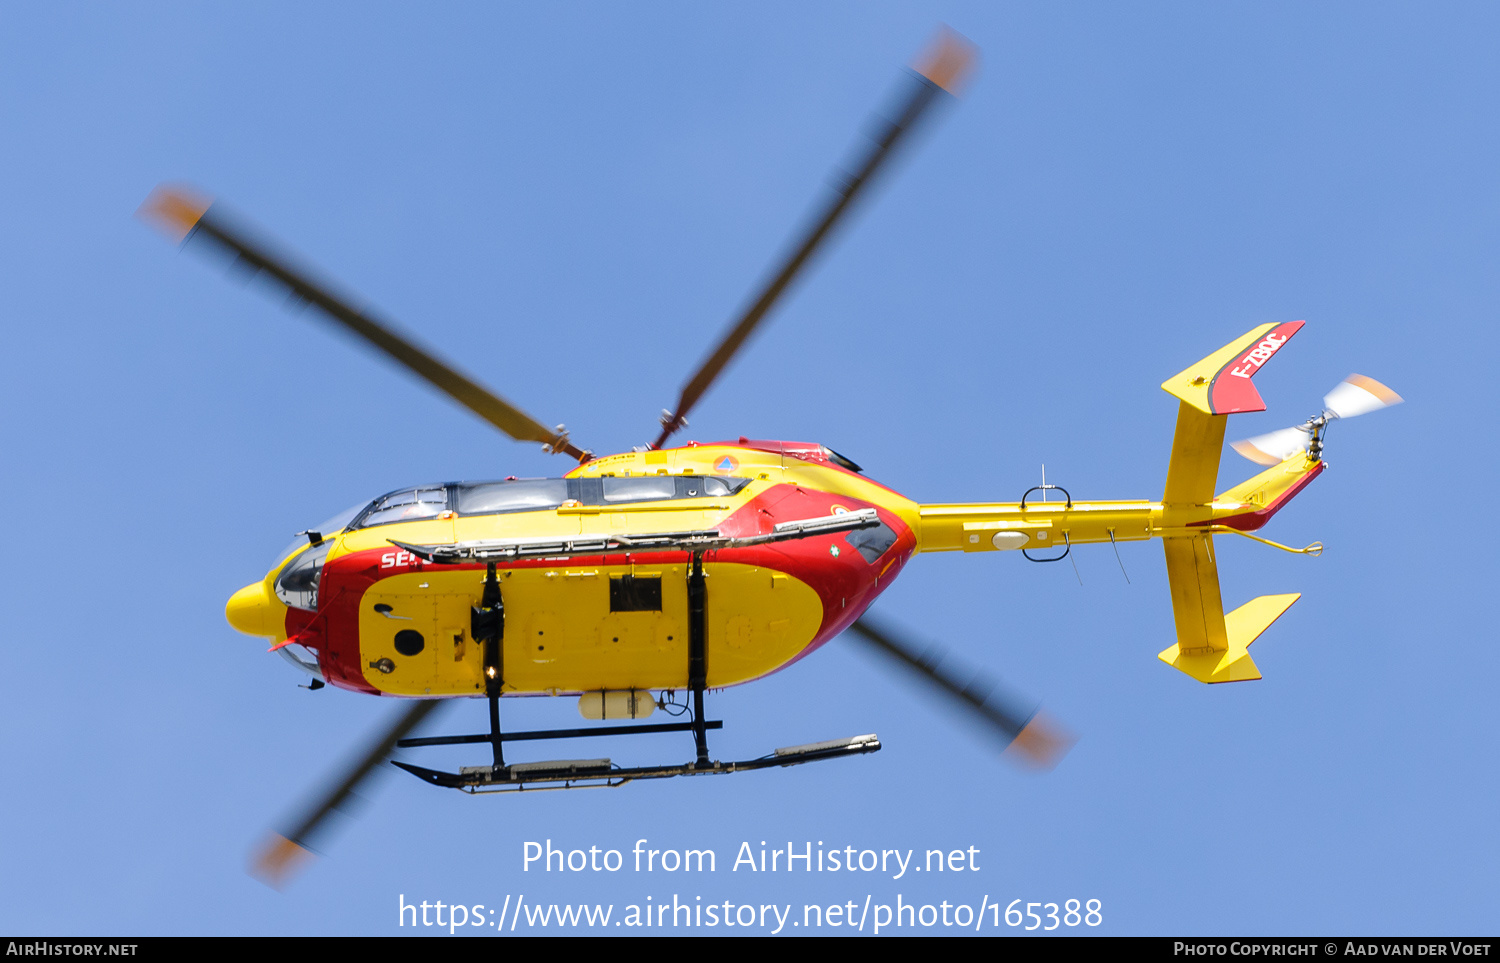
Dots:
{"x": 1212, "y": 646}
{"x": 1218, "y": 385}
{"x": 1196, "y": 447}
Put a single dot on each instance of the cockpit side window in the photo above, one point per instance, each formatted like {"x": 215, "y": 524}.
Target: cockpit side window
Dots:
{"x": 521, "y": 495}
{"x": 611, "y": 489}
{"x": 404, "y": 506}
{"x": 642, "y": 488}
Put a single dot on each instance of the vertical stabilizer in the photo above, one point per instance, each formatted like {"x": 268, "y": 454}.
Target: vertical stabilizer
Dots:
{"x": 1213, "y": 647}
{"x": 1196, "y": 447}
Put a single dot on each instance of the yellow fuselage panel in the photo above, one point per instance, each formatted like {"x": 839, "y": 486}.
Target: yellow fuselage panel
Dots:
{"x": 432, "y": 531}
{"x": 560, "y": 635}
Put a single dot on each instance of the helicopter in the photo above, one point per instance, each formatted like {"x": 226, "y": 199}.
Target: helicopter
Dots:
{"x": 642, "y": 581}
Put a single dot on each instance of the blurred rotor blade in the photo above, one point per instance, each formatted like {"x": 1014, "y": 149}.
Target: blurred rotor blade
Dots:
{"x": 283, "y": 853}
{"x": 939, "y": 73}
{"x": 1274, "y": 447}
{"x": 1358, "y": 395}
{"x": 1026, "y": 733}
{"x": 184, "y": 215}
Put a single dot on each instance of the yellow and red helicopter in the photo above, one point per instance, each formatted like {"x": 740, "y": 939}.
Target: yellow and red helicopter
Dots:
{"x": 679, "y": 570}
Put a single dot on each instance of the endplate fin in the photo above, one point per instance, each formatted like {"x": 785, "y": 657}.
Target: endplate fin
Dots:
{"x": 1241, "y": 627}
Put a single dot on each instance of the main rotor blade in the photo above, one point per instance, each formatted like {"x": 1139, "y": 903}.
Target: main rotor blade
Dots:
{"x": 939, "y": 73}
{"x": 281, "y": 854}
{"x": 184, "y": 215}
{"x": 1025, "y": 732}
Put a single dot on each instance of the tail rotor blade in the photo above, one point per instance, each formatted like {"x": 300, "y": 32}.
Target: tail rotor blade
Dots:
{"x": 1359, "y": 395}
{"x": 281, "y": 855}
{"x": 1274, "y": 447}
{"x": 1355, "y": 395}
{"x": 1027, "y": 734}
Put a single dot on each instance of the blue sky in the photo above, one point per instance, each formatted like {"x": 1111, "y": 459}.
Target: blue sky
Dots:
{"x": 571, "y": 203}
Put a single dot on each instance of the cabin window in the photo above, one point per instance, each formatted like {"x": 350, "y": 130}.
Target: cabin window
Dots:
{"x": 632, "y": 593}
{"x": 521, "y": 495}
{"x": 410, "y": 642}
{"x": 872, "y": 542}
{"x": 716, "y": 486}
{"x": 642, "y": 488}
{"x": 840, "y": 460}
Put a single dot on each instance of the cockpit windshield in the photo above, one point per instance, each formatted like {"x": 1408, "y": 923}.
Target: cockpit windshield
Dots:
{"x": 297, "y": 585}
{"x": 327, "y": 529}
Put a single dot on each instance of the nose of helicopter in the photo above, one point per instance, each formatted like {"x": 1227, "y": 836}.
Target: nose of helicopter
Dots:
{"x": 254, "y": 611}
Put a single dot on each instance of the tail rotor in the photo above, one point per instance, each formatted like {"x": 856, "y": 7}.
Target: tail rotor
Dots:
{"x": 1355, "y": 395}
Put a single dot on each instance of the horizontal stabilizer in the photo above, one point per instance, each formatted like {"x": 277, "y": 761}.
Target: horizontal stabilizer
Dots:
{"x": 1241, "y": 627}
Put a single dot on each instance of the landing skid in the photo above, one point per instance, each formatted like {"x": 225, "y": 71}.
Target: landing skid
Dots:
{"x": 602, "y": 774}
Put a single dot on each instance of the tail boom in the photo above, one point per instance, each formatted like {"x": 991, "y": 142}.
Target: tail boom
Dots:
{"x": 1034, "y": 525}
{"x": 1211, "y": 646}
